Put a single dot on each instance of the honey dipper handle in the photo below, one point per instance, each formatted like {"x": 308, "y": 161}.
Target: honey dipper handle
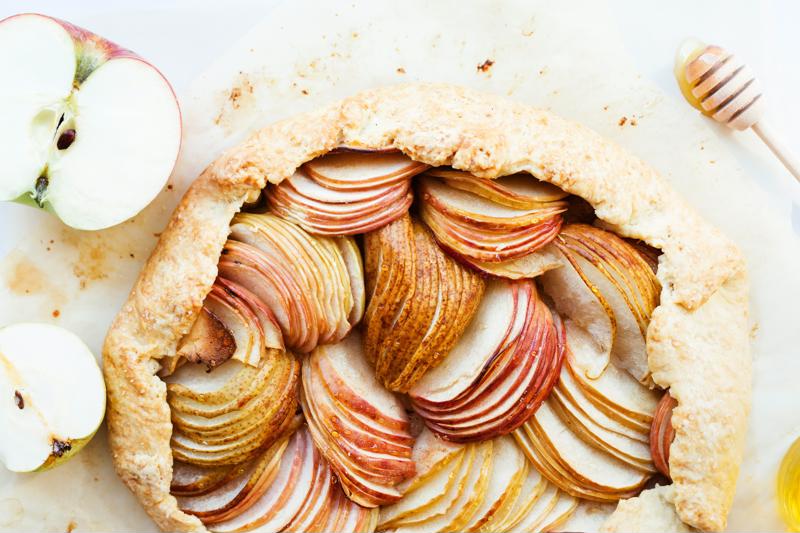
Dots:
{"x": 781, "y": 152}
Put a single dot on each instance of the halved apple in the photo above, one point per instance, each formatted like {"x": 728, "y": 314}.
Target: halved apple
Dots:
{"x": 421, "y": 303}
{"x": 55, "y": 396}
{"x": 91, "y": 131}
{"x": 367, "y": 458}
{"x": 662, "y": 433}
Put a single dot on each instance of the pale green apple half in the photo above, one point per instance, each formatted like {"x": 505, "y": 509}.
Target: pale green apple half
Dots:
{"x": 52, "y": 396}
{"x": 59, "y": 79}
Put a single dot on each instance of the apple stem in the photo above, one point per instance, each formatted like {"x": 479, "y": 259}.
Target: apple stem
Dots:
{"x": 41, "y": 188}
{"x": 61, "y": 447}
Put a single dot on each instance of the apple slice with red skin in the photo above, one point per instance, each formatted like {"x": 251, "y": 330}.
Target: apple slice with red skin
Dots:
{"x": 520, "y": 191}
{"x": 359, "y": 169}
{"x": 479, "y": 212}
{"x": 244, "y": 265}
{"x": 662, "y": 433}
{"x": 91, "y": 131}
{"x": 239, "y": 490}
{"x": 369, "y": 452}
{"x": 269, "y": 327}
{"x": 240, "y": 321}
{"x": 528, "y": 266}
{"x": 285, "y": 496}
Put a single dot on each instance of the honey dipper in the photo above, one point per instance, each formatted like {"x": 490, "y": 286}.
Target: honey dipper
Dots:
{"x": 720, "y": 86}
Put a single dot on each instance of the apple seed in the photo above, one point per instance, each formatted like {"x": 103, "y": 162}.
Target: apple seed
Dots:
{"x": 66, "y": 139}
{"x": 19, "y": 400}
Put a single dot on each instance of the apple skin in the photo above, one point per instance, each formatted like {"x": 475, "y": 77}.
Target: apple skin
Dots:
{"x": 92, "y": 51}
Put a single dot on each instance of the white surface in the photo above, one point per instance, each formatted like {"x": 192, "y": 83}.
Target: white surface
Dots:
{"x": 183, "y": 37}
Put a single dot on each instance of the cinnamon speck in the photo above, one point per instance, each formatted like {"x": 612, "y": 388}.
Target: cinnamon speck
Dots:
{"x": 305, "y": 92}
{"x": 169, "y": 187}
{"x": 56, "y": 313}
{"x": 401, "y": 70}
{"x": 622, "y": 121}
{"x": 634, "y": 122}
{"x": 19, "y": 401}
{"x": 132, "y": 256}
{"x": 486, "y": 66}
{"x": 605, "y": 108}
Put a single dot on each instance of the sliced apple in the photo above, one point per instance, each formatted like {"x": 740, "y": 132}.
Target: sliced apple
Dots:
{"x": 285, "y": 496}
{"x": 91, "y": 131}
{"x": 346, "y": 194}
{"x": 662, "y": 433}
{"x": 360, "y": 170}
{"x": 528, "y": 266}
{"x": 574, "y": 466}
{"x": 508, "y": 384}
{"x": 422, "y": 302}
{"x": 366, "y": 456}
{"x": 509, "y": 469}
{"x": 618, "y": 282}
{"x": 304, "y": 280}
{"x": 438, "y": 465}
{"x": 520, "y": 191}
{"x": 55, "y": 396}
{"x": 239, "y": 491}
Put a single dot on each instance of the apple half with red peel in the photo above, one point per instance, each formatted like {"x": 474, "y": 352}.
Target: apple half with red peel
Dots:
{"x": 90, "y": 132}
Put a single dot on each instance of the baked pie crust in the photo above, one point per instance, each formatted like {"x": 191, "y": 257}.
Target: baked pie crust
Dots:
{"x": 697, "y": 339}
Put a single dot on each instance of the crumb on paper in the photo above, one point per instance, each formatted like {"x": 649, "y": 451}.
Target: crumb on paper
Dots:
{"x": 401, "y": 70}
{"x": 542, "y": 71}
{"x": 56, "y": 313}
{"x": 712, "y": 161}
{"x": 622, "y": 121}
{"x": 71, "y": 526}
{"x": 305, "y": 92}
{"x": 754, "y": 331}
{"x": 240, "y": 96}
{"x": 486, "y": 66}
{"x": 605, "y": 108}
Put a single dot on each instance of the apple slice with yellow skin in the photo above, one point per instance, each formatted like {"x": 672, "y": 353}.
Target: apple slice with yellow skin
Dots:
{"x": 529, "y": 494}
{"x": 90, "y": 131}
{"x": 509, "y": 468}
{"x": 54, "y": 396}
{"x": 539, "y": 511}
{"x": 252, "y": 480}
{"x": 190, "y": 480}
{"x": 437, "y": 465}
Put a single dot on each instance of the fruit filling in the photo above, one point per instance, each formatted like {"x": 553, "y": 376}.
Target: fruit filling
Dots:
{"x": 390, "y": 346}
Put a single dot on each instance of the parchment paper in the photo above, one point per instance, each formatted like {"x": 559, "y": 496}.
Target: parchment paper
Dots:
{"x": 566, "y": 56}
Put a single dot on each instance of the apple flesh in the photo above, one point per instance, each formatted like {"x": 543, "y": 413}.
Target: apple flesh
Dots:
{"x": 53, "y": 395}
{"x": 90, "y": 130}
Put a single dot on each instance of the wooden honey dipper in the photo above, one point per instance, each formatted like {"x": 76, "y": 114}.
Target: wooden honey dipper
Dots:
{"x": 722, "y": 87}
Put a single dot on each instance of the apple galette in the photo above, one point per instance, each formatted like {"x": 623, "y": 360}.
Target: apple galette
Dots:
{"x": 426, "y": 309}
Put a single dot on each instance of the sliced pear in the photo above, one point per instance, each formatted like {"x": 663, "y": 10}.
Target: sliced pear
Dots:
{"x": 560, "y": 513}
{"x": 536, "y": 515}
{"x": 190, "y": 480}
{"x": 351, "y": 256}
{"x": 531, "y": 490}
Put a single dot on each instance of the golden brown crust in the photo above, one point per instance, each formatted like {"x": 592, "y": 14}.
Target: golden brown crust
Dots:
{"x": 701, "y": 271}
{"x": 652, "y": 510}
